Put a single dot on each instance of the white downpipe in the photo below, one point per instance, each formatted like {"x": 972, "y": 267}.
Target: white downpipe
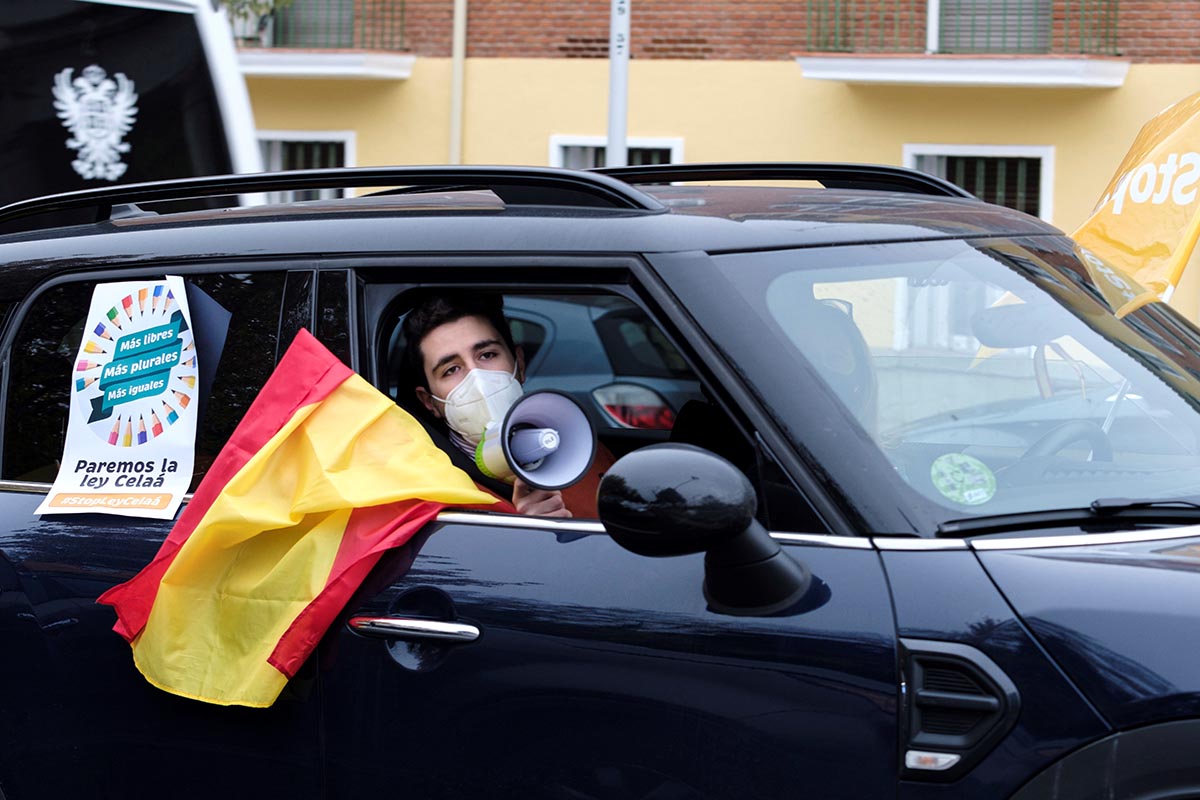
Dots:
{"x": 933, "y": 26}
{"x": 458, "y": 59}
{"x": 617, "y": 153}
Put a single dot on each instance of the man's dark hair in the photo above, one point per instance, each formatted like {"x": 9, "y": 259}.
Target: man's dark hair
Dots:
{"x": 436, "y": 308}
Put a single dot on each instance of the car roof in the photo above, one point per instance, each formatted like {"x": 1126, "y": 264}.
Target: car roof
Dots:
{"x": 472, "y": 211}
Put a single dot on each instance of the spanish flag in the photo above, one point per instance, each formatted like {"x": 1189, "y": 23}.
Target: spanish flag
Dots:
{"x": 322, "y": 475}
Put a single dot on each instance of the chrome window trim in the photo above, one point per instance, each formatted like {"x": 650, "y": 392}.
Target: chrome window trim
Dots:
{"x": 898, "y": 543}
{"x": 27, "y": 487}
{"x": 1085, "y": 539}
{"x": 823, "y": 540}
{"x": 579, "y": 526}
{"x": 492, "y": 519}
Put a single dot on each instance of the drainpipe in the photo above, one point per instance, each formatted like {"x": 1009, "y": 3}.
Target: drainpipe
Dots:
{"x": 458, "y": 57}
{"x": 617, "y": 153}
{"x": 933, "y": 26}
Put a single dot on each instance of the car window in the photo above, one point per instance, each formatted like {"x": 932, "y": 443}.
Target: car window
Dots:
{"x": 528, "y": 335}
{"x": 637, "y": 347}
{"x": 41, "y": 364}
{"x": 986, "y": 391}
{"x": 656, "y": 398}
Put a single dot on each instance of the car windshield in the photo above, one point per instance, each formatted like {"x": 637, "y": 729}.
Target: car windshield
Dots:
{"x": 991, "y": 375}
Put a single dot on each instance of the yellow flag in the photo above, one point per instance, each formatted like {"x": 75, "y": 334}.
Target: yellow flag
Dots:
{"x": 1148, "y": 219}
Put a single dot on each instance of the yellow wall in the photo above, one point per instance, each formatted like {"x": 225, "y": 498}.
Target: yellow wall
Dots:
{"x": 731, "y": 110}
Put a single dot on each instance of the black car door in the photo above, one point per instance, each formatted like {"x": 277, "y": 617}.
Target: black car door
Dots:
{"x": 569, "y": 667}
{"x": 79, "y": 720}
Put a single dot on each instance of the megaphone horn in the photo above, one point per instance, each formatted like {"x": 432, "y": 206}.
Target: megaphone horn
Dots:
{"x": 546, "y": 439}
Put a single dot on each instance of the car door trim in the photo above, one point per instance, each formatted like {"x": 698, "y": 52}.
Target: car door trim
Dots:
{"x": 493, "y": 520}
{"x": 914, "y": 543}
{"x": 1086, "y": 539}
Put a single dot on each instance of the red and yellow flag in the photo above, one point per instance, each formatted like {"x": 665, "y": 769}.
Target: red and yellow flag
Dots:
{"x": 321, "y": 476}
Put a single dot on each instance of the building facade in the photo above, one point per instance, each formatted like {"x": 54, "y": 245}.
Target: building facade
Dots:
{"x": 1029, "y": 103}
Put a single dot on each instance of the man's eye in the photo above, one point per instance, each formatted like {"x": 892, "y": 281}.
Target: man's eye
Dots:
{"x": 449, "y": 371}
{"x": 488, "y": 355}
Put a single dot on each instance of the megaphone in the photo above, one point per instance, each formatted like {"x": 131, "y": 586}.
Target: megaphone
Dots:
{"x": 545, "y": 439}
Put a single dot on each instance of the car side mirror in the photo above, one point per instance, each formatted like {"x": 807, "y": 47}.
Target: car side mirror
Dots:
{"x": 675, "y": 499}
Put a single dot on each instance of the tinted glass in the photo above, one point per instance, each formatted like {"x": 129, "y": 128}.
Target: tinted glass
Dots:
{"x": 48, "y": 340}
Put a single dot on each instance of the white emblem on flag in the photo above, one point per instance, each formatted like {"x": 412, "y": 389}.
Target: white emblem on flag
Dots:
{"x": 98, "y": 111}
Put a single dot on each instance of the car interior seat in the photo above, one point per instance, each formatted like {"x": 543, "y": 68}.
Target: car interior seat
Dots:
{"x": 825, "y": 332}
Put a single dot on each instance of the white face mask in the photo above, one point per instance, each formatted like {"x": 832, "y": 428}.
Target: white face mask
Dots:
{"x": 483, "y": 397}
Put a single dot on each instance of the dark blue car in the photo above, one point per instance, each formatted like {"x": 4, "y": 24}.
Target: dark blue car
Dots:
{"x": 919, "y": 523}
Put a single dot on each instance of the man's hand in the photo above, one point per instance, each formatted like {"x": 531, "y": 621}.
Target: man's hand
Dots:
{"x": 538, "y": 502}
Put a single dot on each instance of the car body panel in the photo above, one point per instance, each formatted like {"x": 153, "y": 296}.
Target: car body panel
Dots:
{"x": 1116, "y": 618}
{"x": 71, "y": 695}
{"x": 946, "y": 596}
{"x": 592, "y": 658}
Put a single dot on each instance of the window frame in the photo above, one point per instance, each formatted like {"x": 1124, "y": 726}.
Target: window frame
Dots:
{"x": 266, "y": 137}
{"x": 559, "y": 142}
{"x": 1043, "y": 152}
{"x": 382, "y": 282}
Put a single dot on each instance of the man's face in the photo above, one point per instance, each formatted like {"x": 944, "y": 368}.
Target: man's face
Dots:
{"x": 450, "y": 351}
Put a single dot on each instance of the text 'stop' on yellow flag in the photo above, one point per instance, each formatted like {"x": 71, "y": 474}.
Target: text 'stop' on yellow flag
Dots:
{"x": 1148, "y": 219}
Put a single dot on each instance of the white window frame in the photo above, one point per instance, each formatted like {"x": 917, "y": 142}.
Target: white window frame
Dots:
{"x": 348, "y": 139}
{"x": 560, "y": 141}
{"x": 1043, "y": 152}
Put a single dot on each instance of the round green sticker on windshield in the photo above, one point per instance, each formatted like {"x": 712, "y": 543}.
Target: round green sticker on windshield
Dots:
{"x": 963, "y": 479}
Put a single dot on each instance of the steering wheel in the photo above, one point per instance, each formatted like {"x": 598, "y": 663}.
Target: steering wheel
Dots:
{"x": 1068, "y": 433}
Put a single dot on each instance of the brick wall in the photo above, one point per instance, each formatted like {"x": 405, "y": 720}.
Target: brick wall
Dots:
{"x": 1149, "y": 30}
{"x": 741, "y": 29}
{"x": 1160, "y": 30}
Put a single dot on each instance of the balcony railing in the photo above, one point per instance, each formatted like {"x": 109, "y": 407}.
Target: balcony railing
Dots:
{"x": 978, "y": 27}
{"x": 339, "y": 25}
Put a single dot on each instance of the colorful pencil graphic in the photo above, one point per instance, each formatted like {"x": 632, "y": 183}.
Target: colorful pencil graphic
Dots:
{"x": 102, "y": 332}
{"x": 127, "y": 304}
{"x": 171, "y": 415}
{"x": 142, "y": 299}
{"x": 85, "y": 365}
{"x": 83, "y": 383}
{"x": 190, "y": 380}
{"x": 156, "y": 426}
{"x": 114, "y": 317}
{"x": 116, "y": 432}
{"x": 141, "y": 430}
{"x": 92, "y": 347}
{"x": 190, "y": 362}
{"x": 158, "y": 290}
{"x": 181, "y": 397}
{"x": 127, "y": 439}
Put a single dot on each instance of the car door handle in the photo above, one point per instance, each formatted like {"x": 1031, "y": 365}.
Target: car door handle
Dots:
{"x": 411, "y": 628}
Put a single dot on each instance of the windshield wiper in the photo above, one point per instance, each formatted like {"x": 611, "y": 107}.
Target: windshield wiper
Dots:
{"x": 1117, "y": 510}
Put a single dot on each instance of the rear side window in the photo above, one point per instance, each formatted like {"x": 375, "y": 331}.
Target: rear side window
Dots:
{"x": 42, "y": 357}
{"x": 635, "y": 346}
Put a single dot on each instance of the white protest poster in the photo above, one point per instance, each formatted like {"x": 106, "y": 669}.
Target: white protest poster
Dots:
{"x": 131, "y": 429}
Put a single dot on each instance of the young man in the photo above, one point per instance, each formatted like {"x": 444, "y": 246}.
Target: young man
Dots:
{"x": 460, "y": 356}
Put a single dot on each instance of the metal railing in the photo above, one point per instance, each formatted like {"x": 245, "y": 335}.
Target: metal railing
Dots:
{"x": 339, "y": 25}
{"x": 1058, "y": 27}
